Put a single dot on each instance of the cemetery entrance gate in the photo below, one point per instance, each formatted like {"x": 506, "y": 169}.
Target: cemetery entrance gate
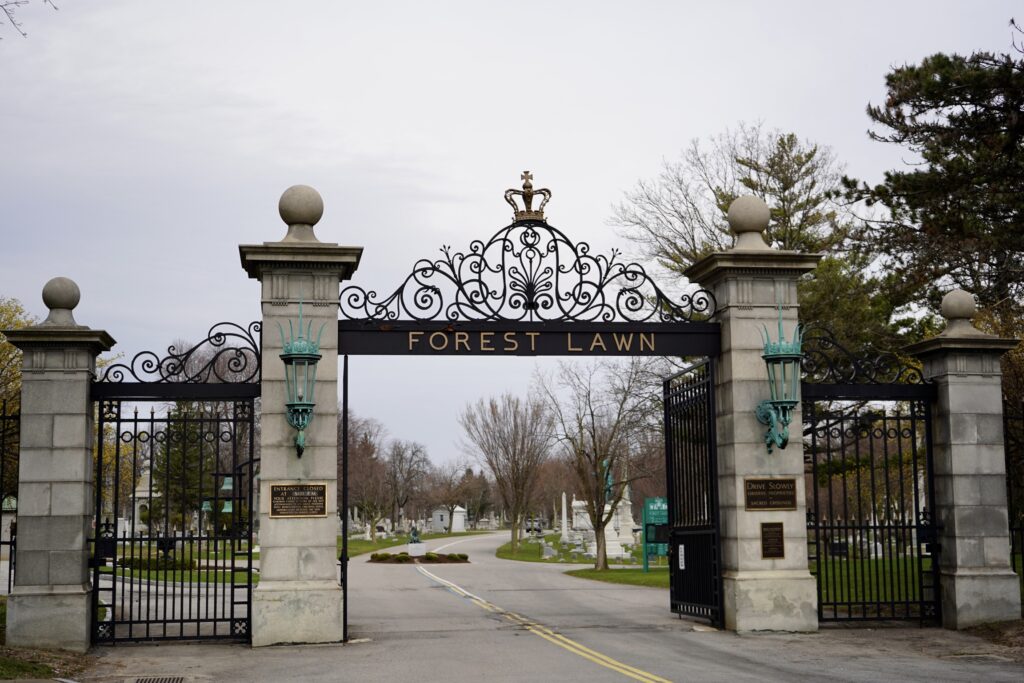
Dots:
{"x": 531, "y": 291}
{"x": 171, "y": 548}
{"x": 867, "y": 438}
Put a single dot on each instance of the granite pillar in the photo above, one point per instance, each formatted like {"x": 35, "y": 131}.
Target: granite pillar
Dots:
{"x": 298, "y": 599}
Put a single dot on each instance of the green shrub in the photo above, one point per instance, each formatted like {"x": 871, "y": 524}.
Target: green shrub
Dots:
{"x": 463, "y": 556}
{"x": 402, "y": 558}
{"x": 157, "y": 563}
{"x": 430, "y": 557}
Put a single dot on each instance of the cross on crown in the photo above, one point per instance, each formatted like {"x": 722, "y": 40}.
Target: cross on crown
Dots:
{"x": 527, "y": 194}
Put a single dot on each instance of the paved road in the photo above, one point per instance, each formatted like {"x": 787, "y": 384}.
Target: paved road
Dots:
{"x": 510, "y": 621}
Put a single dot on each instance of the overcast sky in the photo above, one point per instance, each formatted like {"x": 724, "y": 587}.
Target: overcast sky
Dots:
{"x": 142, "y": 141}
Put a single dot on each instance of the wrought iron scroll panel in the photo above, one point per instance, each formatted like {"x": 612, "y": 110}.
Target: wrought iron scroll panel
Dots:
{"x": 528, "y": 271}
{"x": 691, "y": 468}
{"x": 870, "y": 484}
{"x": 176, "y": 467}
{"x": 10, "y": 423}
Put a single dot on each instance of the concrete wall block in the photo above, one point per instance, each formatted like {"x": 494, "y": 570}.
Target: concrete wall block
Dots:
{"x": 966, "y": 490}
{"x": 71, "y": 430}
{"x": 312, "y": 532}
{"x": 993, "y": 489}
{"x": 278, "y": 563}
{"x": 990, "y": 428}
{"x": 963, "y": 428}
{"x": 980, "y": 520}
{"x": 974, "y": 398}
{"x": 997, "y": 550}
{"x": 48, "y": 397}
{"x": 317, "y": 564}
{"x": 975, "y": 460}
{"x": 33, "y": 500}
{"x": 71, "y": 498}
{"x": 69, "y": 567}
{"x": 32, "y": 567}
{"x": 36, "y": 431}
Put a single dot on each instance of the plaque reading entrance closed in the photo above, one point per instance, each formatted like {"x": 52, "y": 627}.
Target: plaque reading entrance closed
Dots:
{"x": 298, "y": 500}
{"x": 769, "y": 494}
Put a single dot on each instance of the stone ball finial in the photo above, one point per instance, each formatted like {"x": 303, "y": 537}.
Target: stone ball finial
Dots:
{"x": 958, "y": 307}
{"x": 61, "y": 295}
{"x": 958, "y": 304}
{"x": 301, "y": 207}
{"x": 748, "y": 219}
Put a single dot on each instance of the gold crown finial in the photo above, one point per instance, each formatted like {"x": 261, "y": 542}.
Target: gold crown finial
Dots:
{"x": 527, "y": 193}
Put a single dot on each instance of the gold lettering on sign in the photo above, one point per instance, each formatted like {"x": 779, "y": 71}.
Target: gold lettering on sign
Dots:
{"x": 463, "y": 339}
{"x": 648, "y": 339}
{"x": 533, "y": 340}
{"x": 510, "y": 341}
{"x": 414, "y": 338}
{"x": 623, "y": 342}
{"x": 485, "y": 341}
{"x": 444, "y": 338}
{"x": 568, "y": 336}
{"x": 598, "y": 342}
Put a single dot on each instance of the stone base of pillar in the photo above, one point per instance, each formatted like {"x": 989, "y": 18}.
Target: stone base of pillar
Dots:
{"x": 285, "y": 612}
{"x": 970, "y": 598}
{"x": 49, "y": 618}
{"x": 770, "y": 601}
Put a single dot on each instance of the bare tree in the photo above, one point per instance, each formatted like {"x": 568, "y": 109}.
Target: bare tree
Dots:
{"x": 407, "y": 465}
{"x": 9, "y": 8}
{"x": 479, "y": 500}
{"x": 599, "y": 410}
{"x": 511, "y": 437}
{"x": 448, "y": 487}
{"x": 367, "y": 471}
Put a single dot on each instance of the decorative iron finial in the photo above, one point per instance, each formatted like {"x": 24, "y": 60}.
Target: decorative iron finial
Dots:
{"x": 527, "y": 193}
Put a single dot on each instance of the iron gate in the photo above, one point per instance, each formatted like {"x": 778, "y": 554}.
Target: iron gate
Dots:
{"x": 176, "y": 468}
{"x": 695, "y": 554}
{"x": 10, "y": 422}
{"x": 870, "y": 486}
{"x": 1013, "y": 434}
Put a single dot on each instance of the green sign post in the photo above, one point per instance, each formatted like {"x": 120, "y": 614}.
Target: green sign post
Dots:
{"x": 655, "y": 512}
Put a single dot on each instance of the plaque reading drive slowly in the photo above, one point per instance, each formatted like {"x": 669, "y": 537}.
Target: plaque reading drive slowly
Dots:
{"x": 769, "y": 494}
{"x": 298, "y": 500}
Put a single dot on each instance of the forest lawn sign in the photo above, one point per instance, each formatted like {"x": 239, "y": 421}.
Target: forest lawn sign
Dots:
{"x": 527, "y": 291}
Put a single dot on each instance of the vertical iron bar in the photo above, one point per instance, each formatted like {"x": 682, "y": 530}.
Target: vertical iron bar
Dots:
{"x": 344, "y": 501}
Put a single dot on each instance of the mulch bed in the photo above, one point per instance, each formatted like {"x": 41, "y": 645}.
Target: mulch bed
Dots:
{"x": 429, "y": 558}
{"x": 1009, "y": 634}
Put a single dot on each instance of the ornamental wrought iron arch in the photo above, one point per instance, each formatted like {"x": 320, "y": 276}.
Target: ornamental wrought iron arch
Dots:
{"x": 527, "y": 278}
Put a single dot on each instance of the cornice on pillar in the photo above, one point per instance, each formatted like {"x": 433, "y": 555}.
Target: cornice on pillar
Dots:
{"x": 48, "y": 336}
{"x": 761, "y": 262}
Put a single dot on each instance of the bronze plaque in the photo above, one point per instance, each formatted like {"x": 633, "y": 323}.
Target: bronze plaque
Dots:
{"x": 769, "y": 494}
{"x": 298, "y": 500}
{"x": 773, "y": 541}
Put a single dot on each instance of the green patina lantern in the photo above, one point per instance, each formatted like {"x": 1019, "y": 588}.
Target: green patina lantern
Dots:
{"x": 300, "y": 355}
{"x": 783, "y": 361}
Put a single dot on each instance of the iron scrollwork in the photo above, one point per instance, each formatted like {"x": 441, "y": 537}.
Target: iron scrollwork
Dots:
{"x": 826, "y": 361}
{"x": 528, "y": 271}
{"x": 229, "y": 353}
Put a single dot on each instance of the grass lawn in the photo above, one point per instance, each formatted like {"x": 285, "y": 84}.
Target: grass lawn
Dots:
{"x": 656, "y": 578}
{"x": 870, "y": 580}
{"x": 534, "y": 552}
{"x": 359, "y": 546}
{"x": 20, "y": 663}
{"x": 182, "y": 576}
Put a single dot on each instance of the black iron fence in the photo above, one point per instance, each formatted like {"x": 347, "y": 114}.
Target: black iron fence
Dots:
{"x": 1013, "y": 433}
{"x": 691, "y": 468}
{"x": 10, "y": 423}
{"x": 870, "y": 529}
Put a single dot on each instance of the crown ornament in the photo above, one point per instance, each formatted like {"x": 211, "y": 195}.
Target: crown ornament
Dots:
{"x": 527, "y": 194}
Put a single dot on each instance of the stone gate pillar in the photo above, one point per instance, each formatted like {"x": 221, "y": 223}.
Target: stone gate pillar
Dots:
{"x": 750, "y": 283}
{"x": 50, "y": 604}
{"x": 977, "y": 583}
{"x": 298, "y": 599}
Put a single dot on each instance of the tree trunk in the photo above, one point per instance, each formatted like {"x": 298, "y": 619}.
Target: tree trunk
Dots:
{"x": 601, "y": 555}
{"x": 515, "y": 530}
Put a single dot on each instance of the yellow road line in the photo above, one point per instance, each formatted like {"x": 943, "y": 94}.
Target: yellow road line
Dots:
{"x": 549, "y": 635}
